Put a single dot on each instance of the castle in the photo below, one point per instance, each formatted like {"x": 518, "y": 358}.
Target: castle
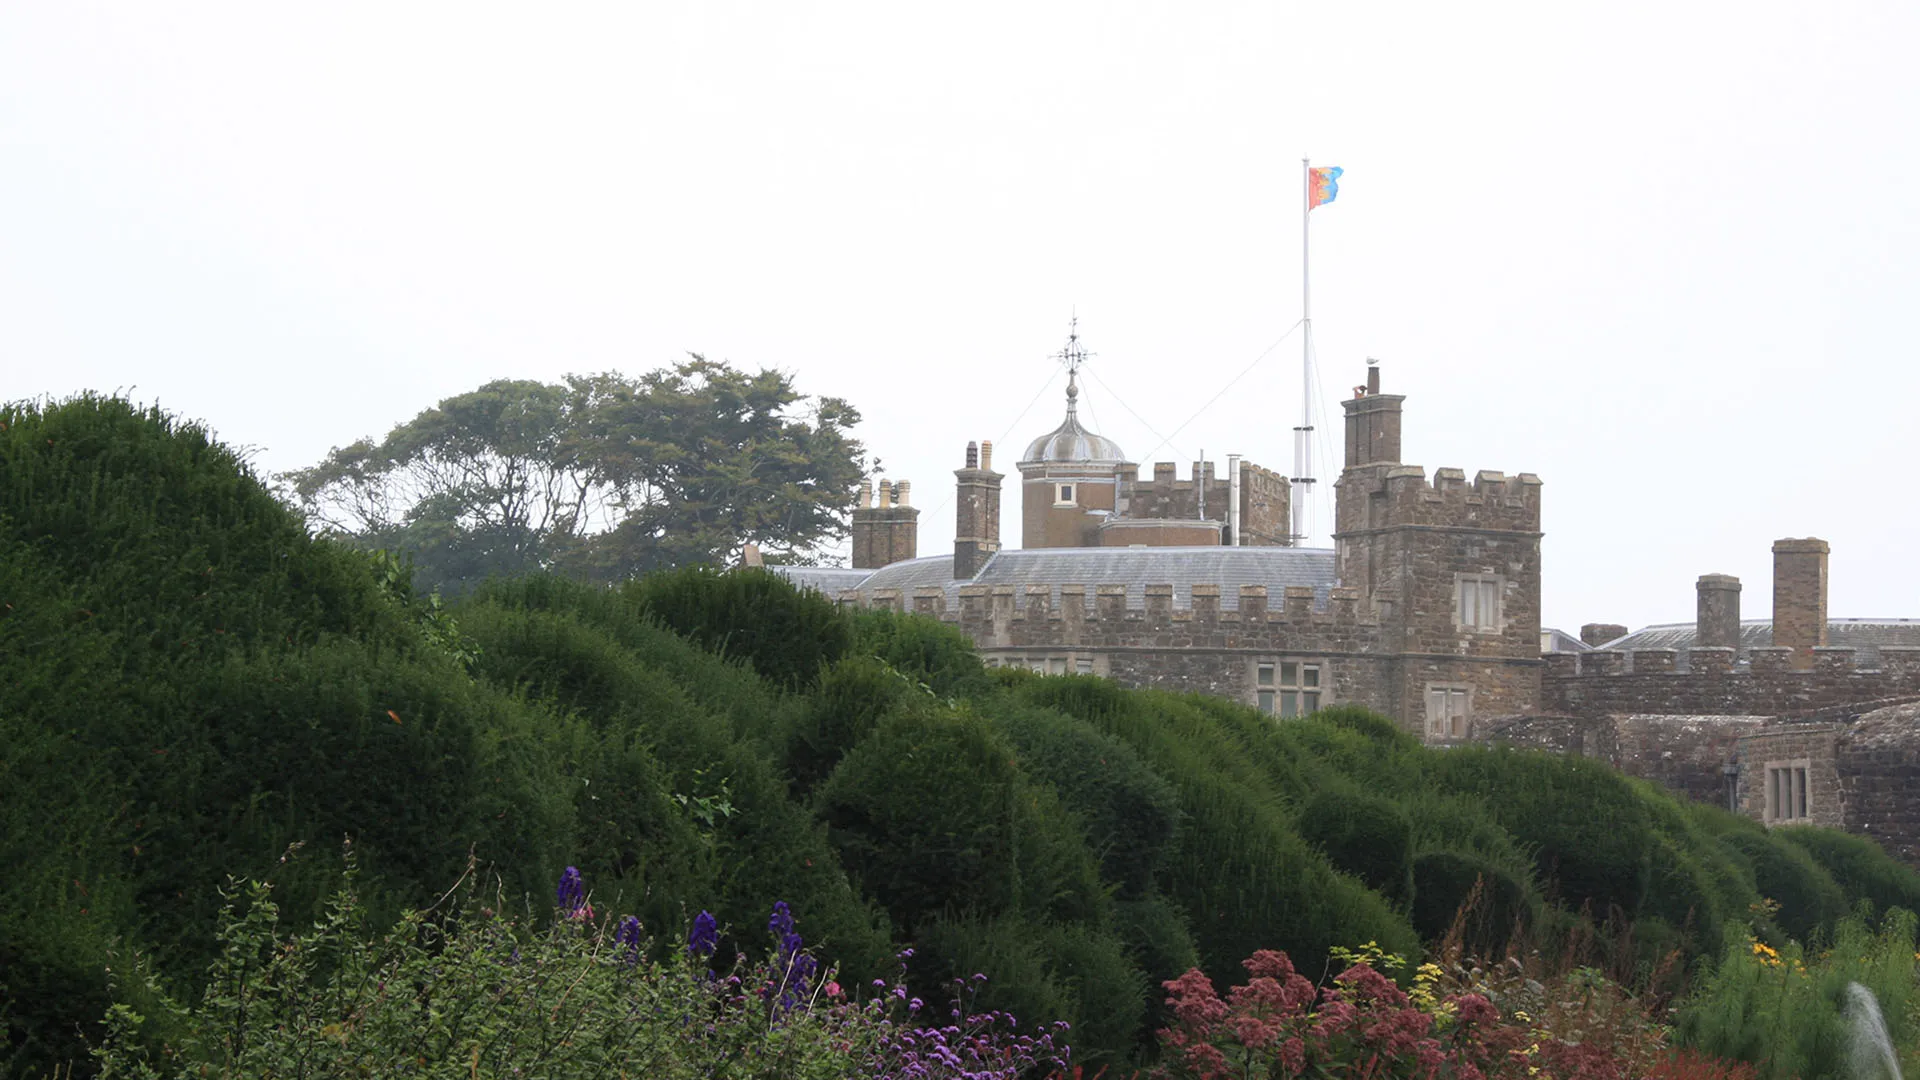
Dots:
{"x": 1427, "y": 610}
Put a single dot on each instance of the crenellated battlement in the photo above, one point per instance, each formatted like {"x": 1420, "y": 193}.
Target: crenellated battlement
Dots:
{"x": 1493, "y": 500}
{"x": 1707, "y": 681}
{"x": 1112, "y": 603}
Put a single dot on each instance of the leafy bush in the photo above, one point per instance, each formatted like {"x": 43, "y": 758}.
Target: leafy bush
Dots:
{"x": 1130, "y": 815}
{"x": 787, "y": 634}
{"x": 1810, "y": 903}
{"x": 1445, "y": 882}
{"x": 1859, "y": 866}
{"x": 1786, "y": 1010}
{"x": 1367, "y": 836}
{"x": 1588, "y": 826}
{"x": 844, "y": 708}
{"x": 1242, "y": 874}
{"x": 467, "y": 991}
{"x": 926, "y": 650}
{"x": 922, "y": 814}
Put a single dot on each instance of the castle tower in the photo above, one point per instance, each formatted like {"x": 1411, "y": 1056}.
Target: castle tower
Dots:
{"x": 1450, "y": 568}
{"x": 887, "y": 533}
{"x": 976, "y": 525}
{"x": 1070, "y": 477}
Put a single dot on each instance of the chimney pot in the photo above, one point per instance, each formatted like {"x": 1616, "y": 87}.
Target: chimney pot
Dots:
{"x": 973, "y": 455}
{"x": 900, "y": 492}
{"x": 986, "y": 454}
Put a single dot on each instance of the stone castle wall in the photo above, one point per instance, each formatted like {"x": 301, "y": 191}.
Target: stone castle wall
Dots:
{"x": 1648, "y": 681}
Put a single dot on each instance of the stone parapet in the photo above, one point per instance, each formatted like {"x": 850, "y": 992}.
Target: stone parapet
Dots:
{"x": 1610, "y": 682}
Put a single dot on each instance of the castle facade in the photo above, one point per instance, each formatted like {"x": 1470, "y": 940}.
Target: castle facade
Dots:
{"x": 1427, "y": 609}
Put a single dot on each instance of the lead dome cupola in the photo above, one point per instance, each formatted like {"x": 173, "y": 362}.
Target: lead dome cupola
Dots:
{"x": 1070, "y": 441}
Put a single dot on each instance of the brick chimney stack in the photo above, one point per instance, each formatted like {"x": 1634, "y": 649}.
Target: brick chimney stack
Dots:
{"x": 1373, "y": 423}
{"x": 976, "y": 533}
{"x": 1597, "y": 634}
{"x": 886, "y": 533}
{"x": 1800, "y": 598}
{"x": 1717, "y": 622}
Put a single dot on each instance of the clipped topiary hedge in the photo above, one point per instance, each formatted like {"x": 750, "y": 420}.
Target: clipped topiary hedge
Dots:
{"x": 1366, "y": 836}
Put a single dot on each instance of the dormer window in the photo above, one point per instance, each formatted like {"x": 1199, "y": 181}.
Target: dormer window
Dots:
{"x": 1063, "y": 495}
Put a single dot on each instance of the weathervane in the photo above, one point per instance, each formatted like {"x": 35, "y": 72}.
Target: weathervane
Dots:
{"x": 1073, "y": 356}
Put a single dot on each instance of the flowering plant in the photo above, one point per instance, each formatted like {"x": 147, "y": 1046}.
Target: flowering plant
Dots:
{"x": 467, "y": 992}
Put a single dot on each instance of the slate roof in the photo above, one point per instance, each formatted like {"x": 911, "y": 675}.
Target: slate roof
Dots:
{"x": 1554, "y": 640}
{"x": 831, "y": 580}
{"x": 1863, "y": 635}
{"x": 1182, "y": 567}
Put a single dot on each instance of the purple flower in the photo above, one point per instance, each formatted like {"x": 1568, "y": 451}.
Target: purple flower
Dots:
{"x": 571, "y": 894}
{"x": 629, "y": 935}
{"x": 705, "y": 937}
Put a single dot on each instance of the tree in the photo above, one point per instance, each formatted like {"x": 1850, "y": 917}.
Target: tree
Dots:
{"x": 603, "y": 476}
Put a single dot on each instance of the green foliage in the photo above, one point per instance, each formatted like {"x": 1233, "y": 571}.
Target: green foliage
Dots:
{"x": 786, "y": 634}
{"x": 926, "y": 650}
{"x": 1491, "y": 903}
{"x": 843, "y": 709}
{"x": 1810, "y": 901}
{"x": 1861, "y": 868}
{"x": 1366, "y": 722}
{"x": 923, "y": 815}
{"x": 601, "y": 475}
{"x": 1588, "y": 826}
{"x": 467, "y": 991}
{"x": 1786, "y": 1010}
{"x": 764, "y": 848}
{"x": 1130, "y": 815}
{"x": 1366, "y": 836}
{"x": 1036, "y": 969}
{"x": 1243, "y": 875}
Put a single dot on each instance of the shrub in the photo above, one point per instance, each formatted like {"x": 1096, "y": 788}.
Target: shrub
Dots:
{"x": 1242, "y": 874}
{"x": 1588, "y": 826}
{"x": 1786, "y": 1011}
{"x": 843, "y": 709}
{"x": 1859, "y": 866}
{"x": 1043, "y": 971}
{"x": 787, "y": 634}
{"x": 1444, "y": 882}
{"x": 1129, "y": 814}
{"x": 1366, "y": 836}
{"x": 926, "y": 650}
{"x": 467, "y": 991}
{"x": 922, "y": 814}
{"x": 1809, "y": 900}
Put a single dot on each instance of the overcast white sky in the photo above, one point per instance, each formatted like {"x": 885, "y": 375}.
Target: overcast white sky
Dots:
{"x": 1663, "y": 254}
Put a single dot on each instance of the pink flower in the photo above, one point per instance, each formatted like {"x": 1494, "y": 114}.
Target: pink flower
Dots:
{"x": 833, "y": 990}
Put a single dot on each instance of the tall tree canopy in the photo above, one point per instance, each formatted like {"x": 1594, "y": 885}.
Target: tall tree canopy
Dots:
{"x": 603, "y": 475}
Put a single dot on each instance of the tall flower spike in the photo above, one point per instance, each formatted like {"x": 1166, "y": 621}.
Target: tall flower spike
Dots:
{"x": 571, "y": 893}
{"x": 629, "y": 935}
{"x": 705, "y": 936}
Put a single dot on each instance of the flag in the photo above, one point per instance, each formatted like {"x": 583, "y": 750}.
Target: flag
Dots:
{"x": 1323, "y": 185}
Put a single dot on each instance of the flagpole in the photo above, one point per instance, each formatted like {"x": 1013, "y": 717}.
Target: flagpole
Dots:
{"x": 1303, "y": 435}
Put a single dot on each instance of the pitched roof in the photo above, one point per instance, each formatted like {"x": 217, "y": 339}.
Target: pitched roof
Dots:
{"x": 1863, "y": 635}
{"x": 1181, "y": 567}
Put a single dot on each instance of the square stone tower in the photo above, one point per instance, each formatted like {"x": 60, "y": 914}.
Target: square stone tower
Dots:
{"x": 1450, "y": 569}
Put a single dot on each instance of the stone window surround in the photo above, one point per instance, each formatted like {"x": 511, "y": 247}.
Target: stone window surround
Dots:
{"x": 1312, "y": 681}
{"x": 1794, "y": 772}
{"x": 1063, "y": 494}
{"x": 1453, "y": 725}
{"x": 1050, "y": 663}
{"x": 1461, "y": 582}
